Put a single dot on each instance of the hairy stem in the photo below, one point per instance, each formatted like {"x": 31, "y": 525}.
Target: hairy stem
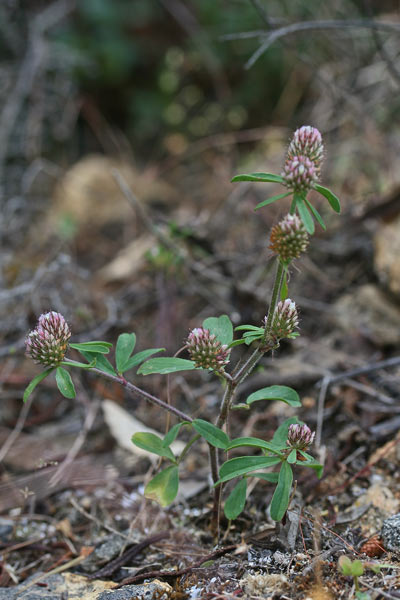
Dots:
{"x": 137, "y": 392}
{"x": 232, "y": 384}
{"x": 275, "y": 294}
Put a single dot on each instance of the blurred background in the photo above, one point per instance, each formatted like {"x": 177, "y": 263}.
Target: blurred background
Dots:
{"x": 122, "y": 123}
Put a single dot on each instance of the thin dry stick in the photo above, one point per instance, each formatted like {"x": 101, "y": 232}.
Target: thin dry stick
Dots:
{"x": 276, "y": 34}
{"x": 32, "y": 62}
{"x": 100, "y": 524}
{"x": 320, "y": 411}
{"x": 78, "y": 443}
{"x": 17, "y": 429}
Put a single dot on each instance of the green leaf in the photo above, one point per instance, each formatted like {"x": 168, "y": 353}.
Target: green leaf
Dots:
{"x": 249, "y": 328}
{"x": 252, "y": 441}
{"x": 100, "y": 347}
{"x": 152, "y": 443}
{"x": 271, "y": 477}
{"x": 252, "y": 333}
{"x": 345, "y": 564}
{"x": 305, "y": 216}
{"x": 236, "y": 500}
{"x": 249, "y": 339}
{"x": 163, "y": 488}
{"x": 312, "y": 464}
{"x": 280, "y": 499}
{"x": 221, "y": 327}
{"x": 263, "y": 177}
{"x": 330, "y": 196}
{"x": 292, "y": 457}
{"x": 35, "y": 381}
{"x": 280, "y": 436}
{"x": 245, "y": 464}
{"x": 271, "y": 200}
{"x": 173, "y": 432}
{"x": 214, "y": 436}
{"x": 363, "y": 596}
{"x": 276, "y": 392}
{"x": 165, "y": 365}
{"x": 316, "y": 214}
{"x": 138, "y": 358}
{"x": 102, "y": 363}
{"x": 237, "y": 343}
{"x": 74, "y": 363}
{"x": 357, "y": 568}
{"x": 125, "y": 345}
{"x": 65, "y": 383}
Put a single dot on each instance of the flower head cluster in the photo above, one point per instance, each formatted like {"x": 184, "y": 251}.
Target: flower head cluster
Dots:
{"x": 303, "y": 160}
{"x": 289, "y": 238}
{"x": 300, "y": 437}
{"x": 307, "y": 141}
{"x": 48, "y": 342}
{"x": 284, "y": 321}
{"x": 206, "y": 350}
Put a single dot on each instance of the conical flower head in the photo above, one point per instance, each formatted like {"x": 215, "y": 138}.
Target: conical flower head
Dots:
{"x": 289, "y": 238}
{"x": 206, "y": 350}
{"x": 300, "y": 173}
{"x": 284, "y": 321}
{"x": 303, "y": 159}
{"x": 300, "y": 437}
{"x": 48, "y": 342}
{"x": 307, "y": 141}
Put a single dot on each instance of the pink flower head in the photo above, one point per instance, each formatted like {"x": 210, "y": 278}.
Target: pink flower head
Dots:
{"x": 303, "y": 160}
{"x": 300, "y": 437}
{"x": 48, "y": 342}
{"x": 284, "y": 321}
{"x": 206, "y": 350}
{"x": 300, "y": 173}
{"x": 289, "y": 238}
{"x": 307, "y": 141}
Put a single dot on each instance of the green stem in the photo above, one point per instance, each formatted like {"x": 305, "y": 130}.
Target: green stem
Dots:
{"x": 188, "y": 446}
{"x": 232, "y": 384}
{"x": 275, "y": 294}
{"x": 213, "y": 453}
{"x": 293, "y": 206}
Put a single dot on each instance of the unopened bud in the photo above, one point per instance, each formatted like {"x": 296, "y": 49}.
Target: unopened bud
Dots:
{"x": 300, "y": 437}
{"x": 48, "y": 342}
{"x": 289, "y": 238}
{"x": 307, "y": 141}
{"x": 206, "y": 350}
{"x": 284, "y": 321}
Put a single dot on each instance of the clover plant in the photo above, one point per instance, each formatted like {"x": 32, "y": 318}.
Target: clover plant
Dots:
{"x": 210, "y": 347}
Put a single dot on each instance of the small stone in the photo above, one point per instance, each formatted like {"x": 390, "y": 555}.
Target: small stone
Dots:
{"x": 387, "y": 255}
{"x": 155, "y": 590}
{"x": 107, "y": 550}
{"x": 368, "y": 311}
{"x": 6, "y": 529}
{"x": 391, "y": 533}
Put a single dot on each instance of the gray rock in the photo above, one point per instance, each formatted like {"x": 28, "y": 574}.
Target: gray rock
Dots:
{"x": 6, "y": 529}
{"x": 367, "y": 310}
{"x": 108, "y": 549}
{"x": 35, "y": 592}
{"x": 391, "y": 533}
{"x": 387, "y": 254}
{"x": 146, "y": 591}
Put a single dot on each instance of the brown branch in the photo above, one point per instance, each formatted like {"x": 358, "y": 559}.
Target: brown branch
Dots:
{"x": 127, "y": 556}
{"x": 179, "y": 572}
